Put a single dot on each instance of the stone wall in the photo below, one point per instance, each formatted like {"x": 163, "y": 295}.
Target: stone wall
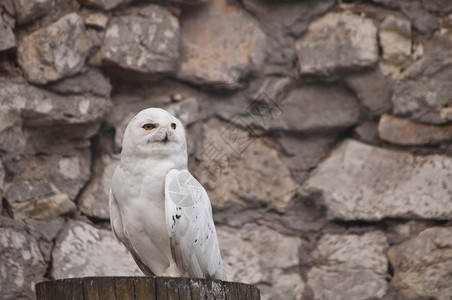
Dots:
{"x": 320, "y": 128}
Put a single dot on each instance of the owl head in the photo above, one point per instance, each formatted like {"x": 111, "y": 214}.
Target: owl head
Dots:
{"x": 154, "y": 132}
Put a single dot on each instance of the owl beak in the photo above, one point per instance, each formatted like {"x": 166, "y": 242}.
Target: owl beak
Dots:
{"x": 165, "y": 139}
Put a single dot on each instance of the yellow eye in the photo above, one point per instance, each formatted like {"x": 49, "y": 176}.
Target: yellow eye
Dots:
{"x": 173, "y": 125}
{"x": 149, "y": 126}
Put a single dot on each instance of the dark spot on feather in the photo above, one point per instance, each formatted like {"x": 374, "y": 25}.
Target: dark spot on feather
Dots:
{"x": 178, "y": 216}
{"x": 196, "y": 240}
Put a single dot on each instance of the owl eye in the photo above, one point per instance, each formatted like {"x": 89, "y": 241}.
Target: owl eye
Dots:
{"x": 173, "y": 125}
{"x": 149, "y": 126}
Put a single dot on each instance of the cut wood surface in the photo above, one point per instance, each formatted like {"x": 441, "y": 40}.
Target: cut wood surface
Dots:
{"x": 143, "y": 288}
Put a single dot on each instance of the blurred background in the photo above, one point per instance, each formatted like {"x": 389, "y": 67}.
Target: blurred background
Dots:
{"x": 321, "y": 130}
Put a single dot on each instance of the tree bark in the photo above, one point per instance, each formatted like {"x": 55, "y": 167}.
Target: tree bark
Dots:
{"x": 141, "y": 288}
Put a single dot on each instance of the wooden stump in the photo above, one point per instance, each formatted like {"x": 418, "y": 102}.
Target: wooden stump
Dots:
{"x": 141, "y": 288}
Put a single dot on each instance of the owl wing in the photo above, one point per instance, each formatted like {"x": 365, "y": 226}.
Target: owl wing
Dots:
{"x": 194, "y": 242}
{"x": 118, "y": 230}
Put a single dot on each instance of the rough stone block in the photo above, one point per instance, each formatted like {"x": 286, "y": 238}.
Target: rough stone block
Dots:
{"x": 21, "y": 265}
{"x": 373, "y": 90}
{"x": 395, "y": 40}
{"x": 424, "y": 89}
{"x": 422, "y": 265}
{"x": 29, "y": 10}
{"x": 349, "y": 267}
{"x": 234, "y": 163}
{"x": 83, "y": 250}
{"x": 55, "y": 51}
{"x": 146, "y": 42}
{"x": 258, "y": 255}
{"x": 220, "y": 44}
{"x": 316, "y": 107}
{"x": 104, "y": 4}
{"x": 7, "y": 40}
{"x": 94, "y": 199}
{"x": 403, "y": 131}
{"x": 362, "y": 182}
{"x": 337, "y": 41}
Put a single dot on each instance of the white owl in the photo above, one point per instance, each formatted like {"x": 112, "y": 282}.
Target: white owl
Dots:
{"x": 158, "y": 210}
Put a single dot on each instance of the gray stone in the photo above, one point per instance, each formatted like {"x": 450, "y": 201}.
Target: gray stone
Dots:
{"x": 29, "y": 10}
{"x": 227, "y": 106}
{"x": 28, "y": 116}
{"x": 83, "y": 250}
{"x": 47, "y": 228}
{"x": 284, "y": 286}
{"x": 272, "y": 105}
{"x": 64, "y": 139}
{"x": 402, "y": 131}
{"x": 438, "y": 6}
{"x": 395, "y": 40}
{"x": 258, "y": 255}
{"x": 36, "y": 200}
{"x": 280, "y": 54}
{"x": 305, "y": 151}
{"x": 94, "y": 199}
{"x": 54, "y": 205}
{"x": 220, "y": 45}
{"x": 349, "y": 267}
{"x": 146, "y": 42}
{"x": 72, "y": 172}
{"x": 7, "y": 40}
{"x": 258, "y": 105}
{"x": 69, "y": 172}
{"x": 39, "y": 107}
{"x": 367, "y": 132}
{"x": 389, "y": 3}
{"x": 271, "y": 87}
{"x": 316, "y": 107}
{"x": 414, "y": 10}
{"x": 372, "y": 183}
{"x": 97, "y": 20}
{"x": 55, "y": 51}
{"x": 337, "y": 41}
{"x": 188, "y": 111}
{"x": 21, "y": 190}
{"x": 104, "y": 4}
{"x": 373, "y": 90}
{"x": 47, "y": 185}
{"x": 424, "y": 89}
{"x": 293, "y": 16}
{"x": 22, "y": 265}
{"x": 2, "y": 179}
{"x": 92, "y": 81}
{"x": 12, "y": 139}
{"x": 422, "y": 265}
{"x": 421, "y": 19}
{"x": 234, "y": 163}
{"x": 187, "y": 2}
{"x": 439, "y": 43}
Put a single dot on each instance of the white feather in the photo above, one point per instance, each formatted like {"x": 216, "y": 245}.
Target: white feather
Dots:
{"x": 190, "y": 226}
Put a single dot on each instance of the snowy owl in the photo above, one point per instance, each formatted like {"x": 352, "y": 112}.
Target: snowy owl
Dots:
{"x": 158, "y": 210}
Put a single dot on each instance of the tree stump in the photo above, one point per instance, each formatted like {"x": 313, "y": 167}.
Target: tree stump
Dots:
{"x": 141, "y": 288}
